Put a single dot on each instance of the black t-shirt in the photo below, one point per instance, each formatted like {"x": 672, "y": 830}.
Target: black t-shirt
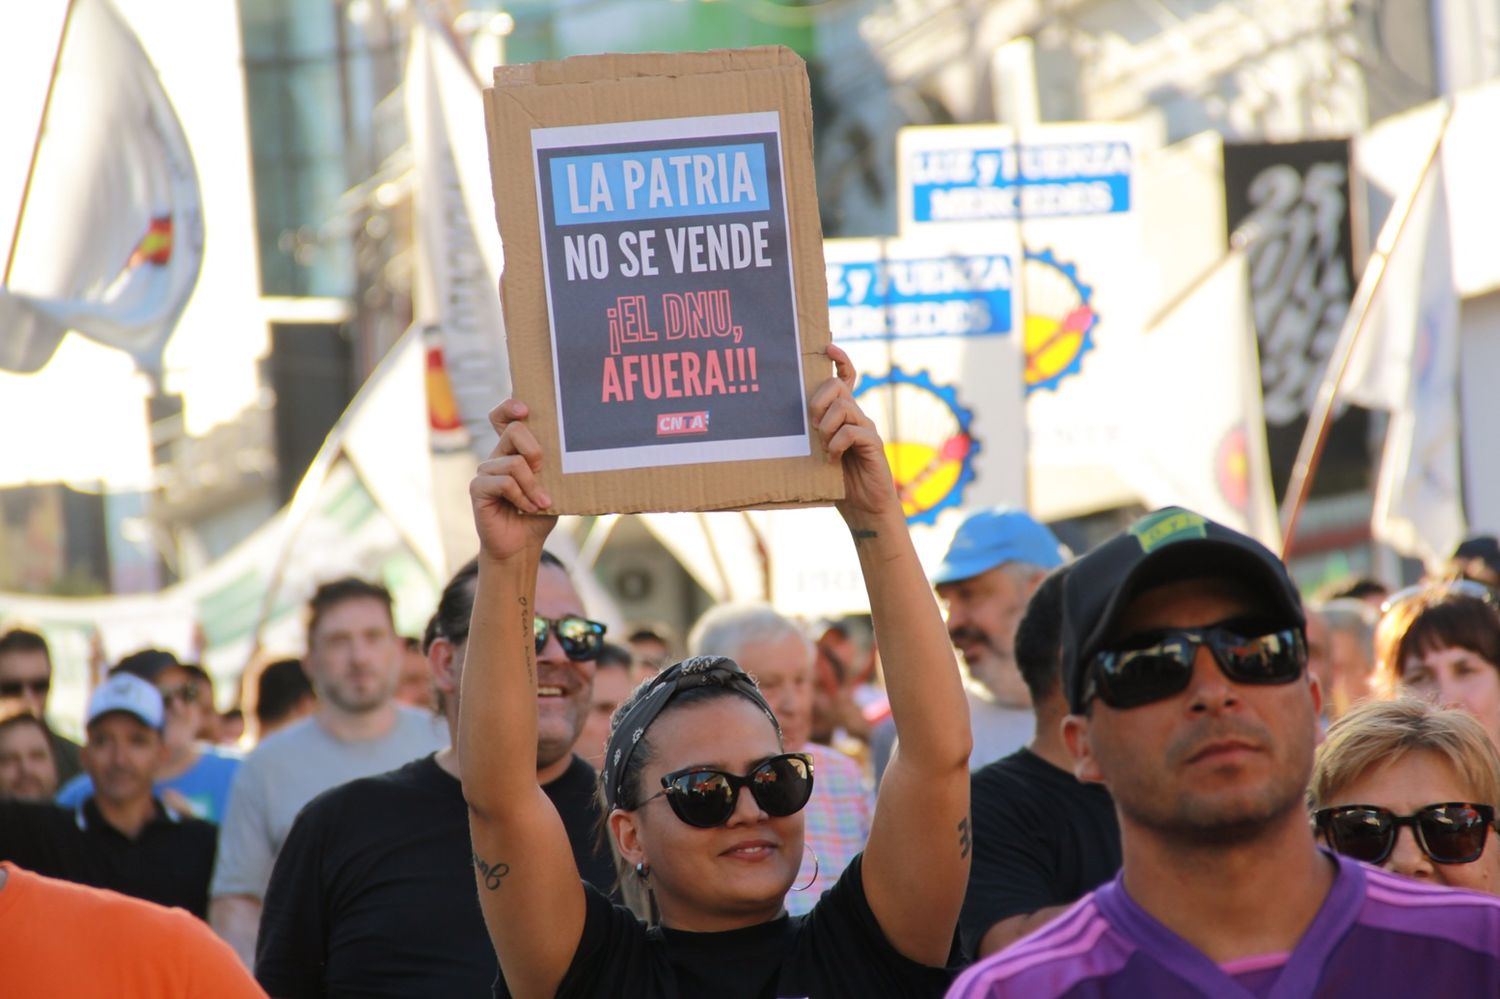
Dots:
{"x": 1041, "y": 838}
{"x": 169, "y": 863}
{"x": 836, "y": 950}
{"x": 68, "y": 757}
{"x": 373, "y": 891}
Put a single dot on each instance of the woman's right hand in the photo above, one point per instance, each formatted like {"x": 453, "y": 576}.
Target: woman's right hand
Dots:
{"x": 505, "y": 494}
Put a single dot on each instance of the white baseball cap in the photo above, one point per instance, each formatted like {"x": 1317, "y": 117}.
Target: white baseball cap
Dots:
{"x": 130, "y": 694}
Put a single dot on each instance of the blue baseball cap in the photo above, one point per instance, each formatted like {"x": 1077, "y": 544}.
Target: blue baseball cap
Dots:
{"x": 994, "y": 535}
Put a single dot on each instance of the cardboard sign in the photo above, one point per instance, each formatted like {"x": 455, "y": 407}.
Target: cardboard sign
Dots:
{"x": 664, "y": 290}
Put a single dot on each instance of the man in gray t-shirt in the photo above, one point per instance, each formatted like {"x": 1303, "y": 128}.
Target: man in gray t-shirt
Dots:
{"x": 358, "y": 730}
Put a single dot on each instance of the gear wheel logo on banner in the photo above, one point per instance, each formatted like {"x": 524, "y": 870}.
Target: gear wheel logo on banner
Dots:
{"x": 1059, "y": 321}
{"x": 927, "y": 440}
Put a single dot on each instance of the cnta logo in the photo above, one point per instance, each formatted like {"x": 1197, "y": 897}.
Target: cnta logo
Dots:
{"x": 927, "y": 440}
{"x": 1059, "y": 322}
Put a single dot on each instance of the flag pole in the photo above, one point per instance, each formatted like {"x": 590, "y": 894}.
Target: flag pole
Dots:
{"x": 36, "y": 146}
{"x": 1320, "y": 417}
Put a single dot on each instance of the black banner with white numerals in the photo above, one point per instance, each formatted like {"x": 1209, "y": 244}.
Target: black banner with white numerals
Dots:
{"x": 1295, "y": 196}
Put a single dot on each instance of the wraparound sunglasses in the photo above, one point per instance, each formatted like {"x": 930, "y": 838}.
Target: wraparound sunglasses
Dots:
{"x": 579, "y": 637}
{"x": 1158, "y": 665}
{"x": 706, "y": 798}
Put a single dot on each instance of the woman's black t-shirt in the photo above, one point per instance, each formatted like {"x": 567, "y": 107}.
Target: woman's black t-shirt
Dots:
{"x": 836, "y": 950}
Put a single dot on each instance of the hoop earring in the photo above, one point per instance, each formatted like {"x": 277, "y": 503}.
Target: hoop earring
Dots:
{"x": 816, "y": 869}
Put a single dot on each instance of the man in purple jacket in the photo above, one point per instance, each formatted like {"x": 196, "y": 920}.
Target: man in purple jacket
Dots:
{"x": 1184, "y": 662}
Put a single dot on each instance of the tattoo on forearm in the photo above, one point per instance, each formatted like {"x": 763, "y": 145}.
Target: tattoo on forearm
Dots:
{"x": 529, "y": 644}
{"x": 860, "y": 535}
{"x": 965, "y": 840}
{"x": 491, "y": 874}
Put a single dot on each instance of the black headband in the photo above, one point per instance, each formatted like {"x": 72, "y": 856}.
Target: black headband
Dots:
{"x": 699, "y": 671}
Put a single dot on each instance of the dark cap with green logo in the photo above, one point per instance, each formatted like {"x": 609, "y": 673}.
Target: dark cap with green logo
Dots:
{"x": 1165, "y": 546}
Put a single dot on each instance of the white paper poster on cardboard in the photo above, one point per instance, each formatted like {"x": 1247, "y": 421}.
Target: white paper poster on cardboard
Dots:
{"x": 670, "y": 292}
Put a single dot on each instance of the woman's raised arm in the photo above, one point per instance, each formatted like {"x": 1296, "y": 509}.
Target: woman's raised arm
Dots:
{"x": 529, "y": 887}
{"x": 916, "y": 863}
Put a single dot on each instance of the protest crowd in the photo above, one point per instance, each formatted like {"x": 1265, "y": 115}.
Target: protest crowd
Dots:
{"x": 1156, "y": 766}
{"x": 1151, "y": 776}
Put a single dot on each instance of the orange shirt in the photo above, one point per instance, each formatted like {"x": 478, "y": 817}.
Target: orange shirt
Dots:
{"x": 62, "y": 939}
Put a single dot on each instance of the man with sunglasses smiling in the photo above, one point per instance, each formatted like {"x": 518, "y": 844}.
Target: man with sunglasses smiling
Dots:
{"x": 1184, "y": 659}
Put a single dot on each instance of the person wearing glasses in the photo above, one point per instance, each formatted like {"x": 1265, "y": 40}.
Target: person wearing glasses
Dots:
{"x": 704, "y": 801}
{"x": 371, "y": 893}
{"x": 1441, "y": 641}
{"x": 196, "y": 776}
{"x": 1185, "y": 665}
{"x": 26, "y": 683}
{"x": 1412, "y": 788}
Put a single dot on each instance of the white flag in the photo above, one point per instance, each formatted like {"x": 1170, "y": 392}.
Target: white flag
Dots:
{"x": 1194, "y": 430}
{"x": 112, "y": 239}
{"x": 458, "y": 254}
{"x": 1406, "y": 362}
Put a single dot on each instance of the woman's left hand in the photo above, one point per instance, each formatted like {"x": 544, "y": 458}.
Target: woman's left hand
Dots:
{"x": 851, "y": 438}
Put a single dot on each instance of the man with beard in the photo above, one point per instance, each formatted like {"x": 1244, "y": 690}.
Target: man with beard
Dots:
{"x": 372, "y": 893}
{"x": 997, "y": 559}
{"x": 357, "y": 730}
{"x": 1185, "y": 663}
{"x": 28, "y": 771}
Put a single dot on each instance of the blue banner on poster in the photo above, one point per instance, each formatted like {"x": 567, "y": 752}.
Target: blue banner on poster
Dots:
{"x": 659, "y": 183}
{"x": 1047, "y": 180}
{"x": 948, "y": 296}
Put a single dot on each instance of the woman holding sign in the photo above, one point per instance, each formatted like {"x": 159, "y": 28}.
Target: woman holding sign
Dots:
{"x": 703, "y": 802}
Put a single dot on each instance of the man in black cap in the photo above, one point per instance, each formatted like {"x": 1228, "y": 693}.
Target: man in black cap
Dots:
{"x": 1185, "y": 665}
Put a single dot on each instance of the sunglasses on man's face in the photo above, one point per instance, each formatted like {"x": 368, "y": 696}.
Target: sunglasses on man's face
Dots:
{"x": 1452, "y": 833}
{"x": 579, "y": 637}
{"x": 707, "y": 798}
{"x": 18, "y": 688}
{"x": 1159, "y": 664}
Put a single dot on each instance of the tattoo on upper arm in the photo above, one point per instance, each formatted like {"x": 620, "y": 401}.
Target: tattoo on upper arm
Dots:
{"x": 965, "y": 839}
{"x": 491, "y": 874}
{"x": 861, "y": 535}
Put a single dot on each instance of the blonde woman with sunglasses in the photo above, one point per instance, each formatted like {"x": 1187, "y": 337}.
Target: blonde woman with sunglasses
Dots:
{"x": 1412, "y": 788}
{"x": 705, "y": 801}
